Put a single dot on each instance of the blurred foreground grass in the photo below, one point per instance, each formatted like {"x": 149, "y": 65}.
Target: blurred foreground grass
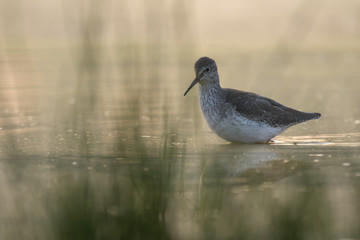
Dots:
{"x": 97, "y": 141}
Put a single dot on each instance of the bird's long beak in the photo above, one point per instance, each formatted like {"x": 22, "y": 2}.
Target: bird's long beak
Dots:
{"x": 196, "y": 80}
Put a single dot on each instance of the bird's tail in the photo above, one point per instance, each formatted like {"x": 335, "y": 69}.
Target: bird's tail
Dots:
{"x": 309, "y": 116}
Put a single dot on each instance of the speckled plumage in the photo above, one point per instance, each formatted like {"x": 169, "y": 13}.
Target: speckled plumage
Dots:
{"x": 239, "y": 116}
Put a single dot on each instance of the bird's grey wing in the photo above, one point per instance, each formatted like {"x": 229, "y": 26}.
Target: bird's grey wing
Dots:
{"x": 266, "y": 110}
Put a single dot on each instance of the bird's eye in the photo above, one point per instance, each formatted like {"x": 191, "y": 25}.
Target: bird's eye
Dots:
{"x": 207, "y": 69}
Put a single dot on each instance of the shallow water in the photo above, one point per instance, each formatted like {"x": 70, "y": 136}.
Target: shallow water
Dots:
{"x": 97, "y": 140}
{"x": 133, "y": 163}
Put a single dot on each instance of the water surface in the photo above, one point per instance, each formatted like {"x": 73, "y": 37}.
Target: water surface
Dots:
{"x": 97, "y": 140}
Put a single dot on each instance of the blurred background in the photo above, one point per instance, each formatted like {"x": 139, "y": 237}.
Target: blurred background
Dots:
{"x": 97, "y": 140}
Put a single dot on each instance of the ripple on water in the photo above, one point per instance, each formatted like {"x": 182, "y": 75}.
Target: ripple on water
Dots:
{"x": 343, "y": 139}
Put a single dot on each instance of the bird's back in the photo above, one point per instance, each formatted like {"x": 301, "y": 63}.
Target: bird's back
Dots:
{"x": 266, "y": 110}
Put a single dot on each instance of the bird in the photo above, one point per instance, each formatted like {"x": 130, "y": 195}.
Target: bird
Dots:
{"x": 240, "y": 116}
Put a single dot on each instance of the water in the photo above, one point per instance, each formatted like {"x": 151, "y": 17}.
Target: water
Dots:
{"x": 79, "y": 162}
{"x": 97, "y": 140}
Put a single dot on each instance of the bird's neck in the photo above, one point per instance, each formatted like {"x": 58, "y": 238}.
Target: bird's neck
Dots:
{"x": 211, "y": 94}
{"x": 212, "y": 99}
{"x": 210, "y": 90}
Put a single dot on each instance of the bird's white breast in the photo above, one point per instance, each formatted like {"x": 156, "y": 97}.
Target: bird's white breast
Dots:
{"x": 228, "y": 124}
{"x": 240, "y": 129}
